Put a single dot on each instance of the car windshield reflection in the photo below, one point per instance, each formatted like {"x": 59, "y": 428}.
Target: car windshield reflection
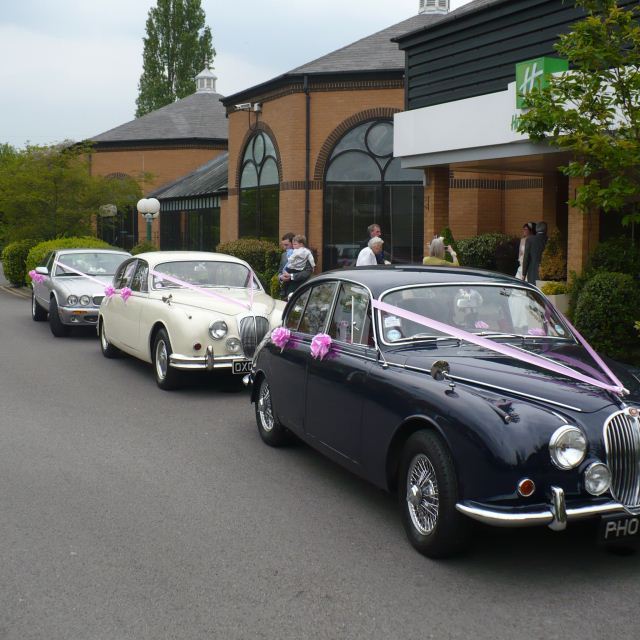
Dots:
{"x": 203, "y": 273}
{"x": 90, "y": 263}
{"x": 490, "y": 311}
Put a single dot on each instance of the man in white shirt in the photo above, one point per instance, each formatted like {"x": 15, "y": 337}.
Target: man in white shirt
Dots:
{"x": 368, "y": 255}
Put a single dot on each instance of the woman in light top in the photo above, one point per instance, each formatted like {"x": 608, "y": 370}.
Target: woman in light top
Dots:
{"x": 529, "y": 229}
{"x": 436, "y": 254}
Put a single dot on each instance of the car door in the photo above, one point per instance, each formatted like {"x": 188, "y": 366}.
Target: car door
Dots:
{"x": 305, "y": 316}
{"x": 115, "y": 314}
{"x": 42, "y": 290}
{"x": 134, "y": 306}
{"x": 336, "y": 384}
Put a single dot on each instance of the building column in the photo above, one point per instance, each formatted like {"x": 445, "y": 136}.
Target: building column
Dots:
{"x": 583, "y": 232}
{"x": 436, "y": 203}
{"x": 549, "y": 200}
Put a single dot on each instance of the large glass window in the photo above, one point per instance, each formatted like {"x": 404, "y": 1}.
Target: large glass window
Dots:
{"x": 364, "y": 185}
{"x": 190, "y": 224}
{"x": 259, "y": 190}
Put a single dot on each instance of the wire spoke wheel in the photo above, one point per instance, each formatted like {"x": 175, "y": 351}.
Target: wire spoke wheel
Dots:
{"x": 264, "y": 408}
{"x": 162, "y": 359}
{"x": 422, "y": 494}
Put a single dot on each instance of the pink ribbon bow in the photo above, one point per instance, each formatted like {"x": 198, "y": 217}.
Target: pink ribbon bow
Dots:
{"x": 109, "y": 291}
{"x": 280, "y": 336}
{"x": 35, "y": 276}
{"x": 125, "y": 293}
{"x": 320, "y": 345}
{"x": 481, "y": 325}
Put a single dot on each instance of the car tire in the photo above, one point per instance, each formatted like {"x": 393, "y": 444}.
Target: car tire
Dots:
{"x": 38, "y": 314}
{"x": 270, "y": 428}
{"x": 108, "y": 350}
{"x": 428, "y": 493}
{"x": 58, "y": 329}
{"x": 167, "y": 377}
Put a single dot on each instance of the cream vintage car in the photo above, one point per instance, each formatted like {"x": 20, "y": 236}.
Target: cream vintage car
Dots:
{"x": 186, "y": 311}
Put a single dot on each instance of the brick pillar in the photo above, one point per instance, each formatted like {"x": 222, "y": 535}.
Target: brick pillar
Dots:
{"x": 436, "y": 203}
{"x": 583, "y": 232}
{"x": 549, "y": 200}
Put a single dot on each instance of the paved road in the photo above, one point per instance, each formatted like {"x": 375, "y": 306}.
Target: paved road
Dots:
{"x": 131, "y": 513}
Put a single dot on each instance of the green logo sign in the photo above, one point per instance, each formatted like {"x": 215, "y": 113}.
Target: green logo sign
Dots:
{"x": 535, "y": 74}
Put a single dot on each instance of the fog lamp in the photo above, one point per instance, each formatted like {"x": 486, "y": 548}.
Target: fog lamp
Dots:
{"x": 597, "y": 478}
{"x": 526, "y": 487}
{"x": 233, "y": 345}
{"x": 72, "y": 301}
{"x": 85, "y": 300}
{"x": 218, "y": 329}
{"x": 567, "y": 447}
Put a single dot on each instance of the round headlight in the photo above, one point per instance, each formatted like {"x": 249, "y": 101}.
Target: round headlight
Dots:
{"x": 567, "y": 447}
{"x": 233, "y": 345}
{"x": 218, "y": 329}
{"x": 597, "y": 478}
{"x": 72, "y": 301}
{"x": 85, "y": 300}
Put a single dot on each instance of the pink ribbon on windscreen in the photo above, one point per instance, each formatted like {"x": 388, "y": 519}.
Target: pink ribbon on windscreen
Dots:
{"x": 108, "y": 290}
{"x": 207, "y": 292}
{"x": 522, "y": 356}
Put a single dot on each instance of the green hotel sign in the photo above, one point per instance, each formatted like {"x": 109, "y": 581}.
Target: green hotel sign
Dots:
{"x": 535, "y": 74}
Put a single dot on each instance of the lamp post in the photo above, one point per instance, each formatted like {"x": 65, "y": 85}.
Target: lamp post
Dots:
{"x": 150, "y": 209}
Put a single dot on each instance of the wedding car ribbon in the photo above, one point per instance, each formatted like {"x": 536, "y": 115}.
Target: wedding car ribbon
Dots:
{"x": 320, "y": 345}
{"x": 522, "y": 356}
{"x": 280, "y": 336}
{"x": 125, "y": 293}
{"x": 205, "y": 292}
{"x": 36, "y": 277}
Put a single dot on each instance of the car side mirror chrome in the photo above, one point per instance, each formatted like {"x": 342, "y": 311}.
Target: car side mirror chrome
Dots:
{"x": 43, "y": 271}
{"x": 440, "y": 370}
{"x": 167, "y": 299}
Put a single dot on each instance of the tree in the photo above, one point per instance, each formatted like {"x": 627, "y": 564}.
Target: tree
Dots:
{"x": 177, "y": 47}
{"x": 593, "y": 111}
{"x": 46, "y": 192}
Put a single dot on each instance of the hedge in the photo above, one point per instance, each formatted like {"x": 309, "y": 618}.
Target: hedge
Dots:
{"x": 493, "y": 251}
{"x": 262, "y": 255}
{"x": 143, "y": 247}
{"x": 38, "y": 252}
{"x": 14, "y": 259}
{"x": 607, "y": 308}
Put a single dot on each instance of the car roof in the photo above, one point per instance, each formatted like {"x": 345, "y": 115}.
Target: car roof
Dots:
{"x": 93, "y": 250}
{"x": 382, "y": 278}
{"x": 157, "y": 257}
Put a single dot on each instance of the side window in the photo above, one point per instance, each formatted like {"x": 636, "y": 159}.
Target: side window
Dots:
{"x": 123, "y": 275}
{"x": 315, "y": 315}
{"x": 350, "y": 322}
{"x": 139, "y": 282}
{"x": 295, "y": 312}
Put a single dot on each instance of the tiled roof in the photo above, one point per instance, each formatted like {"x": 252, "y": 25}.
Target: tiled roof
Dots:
{"x": 198, "y": 116}
{"x": 205, "y": 180}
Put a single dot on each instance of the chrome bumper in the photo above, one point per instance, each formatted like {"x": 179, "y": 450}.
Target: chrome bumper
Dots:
{"x": 206, "y": 362}
{"x": 74, "y": 316}
{"x": 555, "y": 515}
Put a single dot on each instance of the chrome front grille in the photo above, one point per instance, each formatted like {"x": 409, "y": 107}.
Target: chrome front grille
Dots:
{"x": 252, "y": 330}
{"x": 622, "y": 442}
{"x": 97, "y": 300}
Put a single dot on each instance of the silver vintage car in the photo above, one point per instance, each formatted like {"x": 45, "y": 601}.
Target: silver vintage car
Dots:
{"x": 68, "y": 298}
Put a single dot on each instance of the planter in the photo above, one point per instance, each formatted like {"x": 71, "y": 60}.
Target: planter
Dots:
{"x": 560, "y": 302}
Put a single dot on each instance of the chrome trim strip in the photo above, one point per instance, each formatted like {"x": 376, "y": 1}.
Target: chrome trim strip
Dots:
{"x": 193, "y": 363}
{"x": 489, "y": 386}
{"x": 499, "y": 518}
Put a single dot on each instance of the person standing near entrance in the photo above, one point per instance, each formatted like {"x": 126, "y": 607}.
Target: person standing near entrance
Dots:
{"x": 533, "y": 249}
{"x": 528, "y": 229}
{"x": 369, "y": 255}
{"x": 374, "y": 232}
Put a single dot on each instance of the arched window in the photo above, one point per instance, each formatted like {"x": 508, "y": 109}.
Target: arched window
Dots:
{"x": 259, "y": 189}
{"x": 365, "y": 184}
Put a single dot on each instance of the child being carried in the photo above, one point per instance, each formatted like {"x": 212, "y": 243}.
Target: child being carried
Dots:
{"x": 300, "y": 256}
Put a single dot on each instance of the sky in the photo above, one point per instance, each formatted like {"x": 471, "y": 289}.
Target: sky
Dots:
{"x": 70, "y": 68}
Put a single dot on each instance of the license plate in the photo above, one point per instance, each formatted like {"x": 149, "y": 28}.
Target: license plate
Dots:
{"x": 619, "y": 528}
{"x": 242, "y": 366}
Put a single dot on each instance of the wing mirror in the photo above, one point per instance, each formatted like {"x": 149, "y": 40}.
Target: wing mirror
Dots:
{"x": 43, "y": 271}
{"x": 439, "y": 370}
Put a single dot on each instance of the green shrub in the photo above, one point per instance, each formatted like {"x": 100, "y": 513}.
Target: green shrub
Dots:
{"x": 275, "y": 290}
{"x": 38, "y": 252}
{"x": 14, "y": 260}
{"x": 143, "y": 247}
{"x": 553, "y": 265}
{"x": 262, "y": 255}
{"x": 618, "y": 255}
{"x": 448, "y": 239}
{"x": 607, "y": 308}
{"x": 554, "y": 288}
{"x": 493, "y": 251}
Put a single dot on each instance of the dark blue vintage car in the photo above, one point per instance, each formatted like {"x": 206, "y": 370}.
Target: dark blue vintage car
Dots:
{"x": 458, "y": 430}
